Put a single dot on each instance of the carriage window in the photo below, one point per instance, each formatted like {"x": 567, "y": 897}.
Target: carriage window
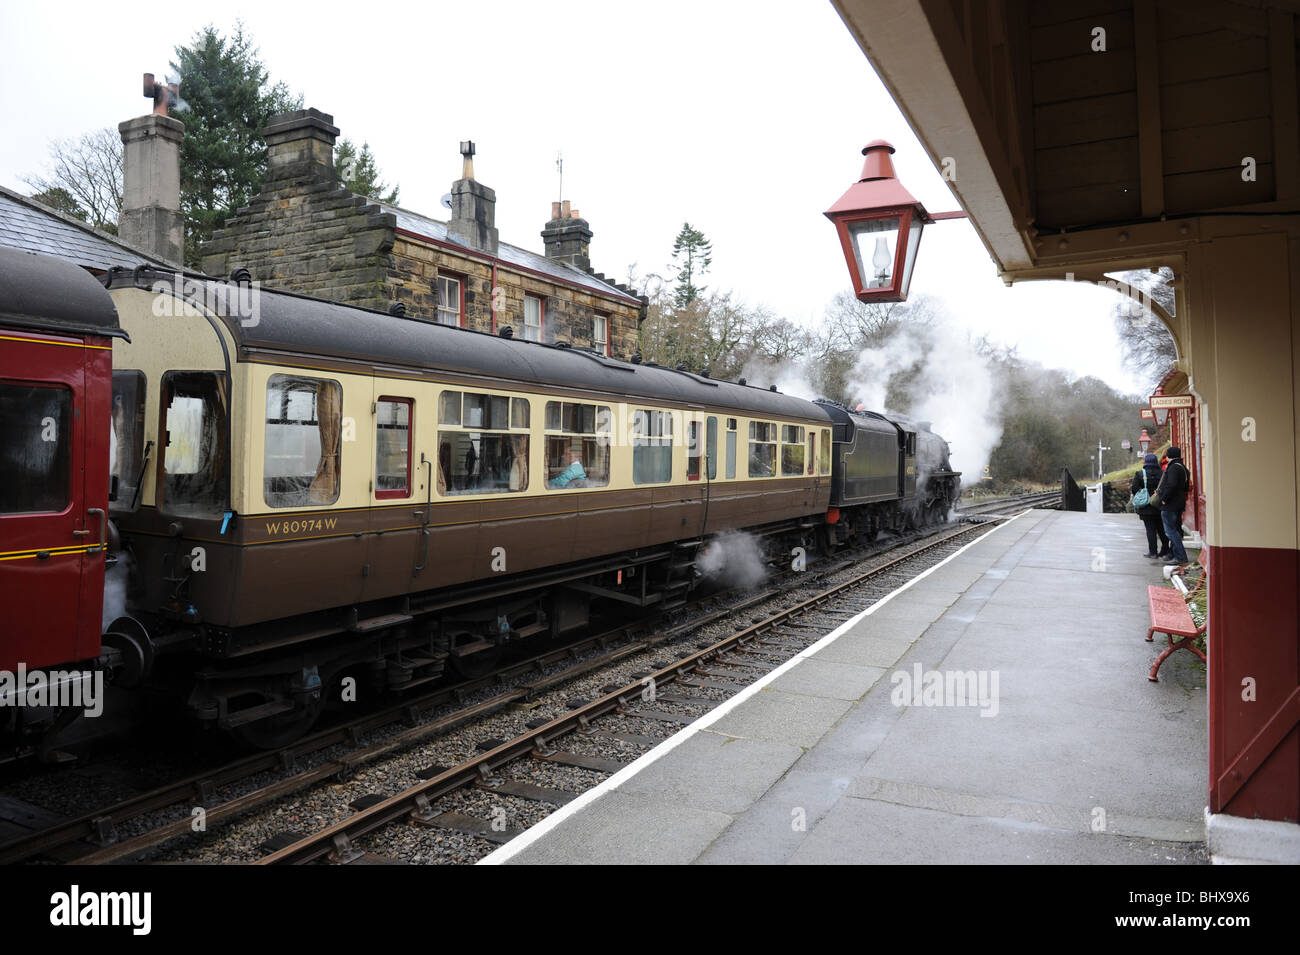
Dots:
{"x": 762, "y": 449}
{"x": 791, "y": 449}
{"x": 693, "y": 450}
{"x": 36, "y": 462}
{"x": 449, "y": 408}
{"x": 711, "y": 449}
{"x": 731, "y": 448}
{"x": 812, "y": 451}
{"x": 393, "y": 448}
{"x": 652, "y": 447}
{"x": 303, "y": 441}
{"x": 577, "y": 444}
{"x": 488, "y": 453}
{"x": 194, "y": 475}
{"x": 126, "y": 439}
{"x": 825, "y": 462}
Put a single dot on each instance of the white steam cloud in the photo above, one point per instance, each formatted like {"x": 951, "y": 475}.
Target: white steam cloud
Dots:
{"x": 954, "y": 389}
{"x": 733, "y": 559}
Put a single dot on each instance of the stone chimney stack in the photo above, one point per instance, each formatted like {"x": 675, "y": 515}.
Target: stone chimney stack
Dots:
{"x": 567, "y": 237}
{"x": 473, "y": 208}
{"x": 151, "y": 186}
{"x": 300, "y": 145}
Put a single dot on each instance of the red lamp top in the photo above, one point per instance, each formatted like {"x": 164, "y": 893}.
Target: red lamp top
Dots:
{"x": 878, "y": 188}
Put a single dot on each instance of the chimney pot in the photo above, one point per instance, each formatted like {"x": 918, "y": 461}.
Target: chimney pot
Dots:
{"x": 473, "y": 208}
{"x": 151, "y": 185}
{"x": 567, "y": 237}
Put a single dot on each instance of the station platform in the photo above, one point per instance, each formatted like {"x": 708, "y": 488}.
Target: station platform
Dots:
{"x": 1062, "y": 751}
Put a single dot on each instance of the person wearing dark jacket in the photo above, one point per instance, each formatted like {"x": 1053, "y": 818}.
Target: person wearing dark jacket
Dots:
{"x": 1171, "y": 498}
{"x": 1149, "y": 477}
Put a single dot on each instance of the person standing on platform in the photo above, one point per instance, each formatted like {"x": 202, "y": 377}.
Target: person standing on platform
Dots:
{"x": 1148, "y": 478}
{"x": 1171, "y": 498}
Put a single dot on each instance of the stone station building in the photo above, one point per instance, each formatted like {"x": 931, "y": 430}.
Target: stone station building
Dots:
{"x": 307, "y": 233}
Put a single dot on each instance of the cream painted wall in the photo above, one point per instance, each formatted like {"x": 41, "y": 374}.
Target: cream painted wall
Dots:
{"x": 1242, "y": 319}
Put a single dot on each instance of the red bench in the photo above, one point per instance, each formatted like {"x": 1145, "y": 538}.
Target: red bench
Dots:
{"x": 1170, "y": 615}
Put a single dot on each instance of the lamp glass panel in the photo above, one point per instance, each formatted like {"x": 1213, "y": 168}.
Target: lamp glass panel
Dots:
{"x": 909, "y": 256}
{"x": 874, "y": 244}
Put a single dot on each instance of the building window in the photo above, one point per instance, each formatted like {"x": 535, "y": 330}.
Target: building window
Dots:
{"x": 449, "y": 301}
{"x": 487, "y": 453}
{"x": 577, "y": 444}
{"x": 393, "y": 448}
{"x": 652, "y": 447}
{"x": 534, "y": 317}
{"x": 304, "y": 419}
{"x": 600, "y": 334}
{"x": 762, "y": 449}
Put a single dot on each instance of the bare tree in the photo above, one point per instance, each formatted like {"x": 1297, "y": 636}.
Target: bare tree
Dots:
{"x": 90, "y": 170}
{"x": 1149, "y": 349}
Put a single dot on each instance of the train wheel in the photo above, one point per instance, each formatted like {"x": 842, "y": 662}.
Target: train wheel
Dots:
{"x": 282, "y": 729}
{"x": 471, "y": 656}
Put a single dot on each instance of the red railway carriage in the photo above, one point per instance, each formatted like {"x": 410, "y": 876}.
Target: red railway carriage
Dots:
{"x": 56, "y": 327}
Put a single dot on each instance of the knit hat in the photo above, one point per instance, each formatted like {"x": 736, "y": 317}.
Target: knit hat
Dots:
{"x": 1150, "y": 459}
{"x": 1174, "y": 452}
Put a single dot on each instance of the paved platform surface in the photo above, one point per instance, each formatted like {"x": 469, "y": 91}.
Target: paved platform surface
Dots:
{"x": 835, "y": 759}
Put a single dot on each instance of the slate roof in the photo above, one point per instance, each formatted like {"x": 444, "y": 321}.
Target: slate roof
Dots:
{"x": 26, "y": 224}
{"x": 509, "y": 254}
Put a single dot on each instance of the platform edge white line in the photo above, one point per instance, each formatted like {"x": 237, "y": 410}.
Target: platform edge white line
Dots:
{"x": 525, "y": 839}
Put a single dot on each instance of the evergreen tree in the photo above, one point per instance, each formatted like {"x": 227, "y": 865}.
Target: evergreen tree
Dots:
{"x": 227, "y": 101}
{"x": 359, "y": 172}
{"x": 692, "y": 256}
{"x": 59, "y": 199}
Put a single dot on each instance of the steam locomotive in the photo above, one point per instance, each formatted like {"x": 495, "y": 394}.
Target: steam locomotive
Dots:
{"x": 244, "y": 498}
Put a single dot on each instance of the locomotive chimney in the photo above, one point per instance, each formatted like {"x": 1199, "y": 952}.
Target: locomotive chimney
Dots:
{"x": 151, "y": 178}
{"x": 473, "y": 207}
{"x": 567, "y": 237}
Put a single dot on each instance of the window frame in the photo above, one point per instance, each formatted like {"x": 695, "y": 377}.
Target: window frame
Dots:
{"x": 140, "y": 412}
{"x": 603, "y": 349}
{"x": 439, "y": 308}
{"x": 773, "y": 442}
{"x": 391, "y": 494}
{"x": 650, "y": 439}
{"x": 443, "y": 483}
{"x": 266, "y": 422}
{"x": 541, "y": 317}
{"x": 601, "y": 433}
{"x": 68, "y": 411}
{"x": 161, "y": 503}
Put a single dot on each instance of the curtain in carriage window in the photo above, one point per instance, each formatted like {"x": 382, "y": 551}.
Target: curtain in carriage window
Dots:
{"x": 304, "y": 418}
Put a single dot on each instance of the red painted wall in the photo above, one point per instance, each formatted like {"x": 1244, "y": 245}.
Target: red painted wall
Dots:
{"x": 1254, "y": 600}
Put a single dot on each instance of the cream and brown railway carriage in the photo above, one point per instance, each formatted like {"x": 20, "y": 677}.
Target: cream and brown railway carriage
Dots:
{"x": 308, "y": 489}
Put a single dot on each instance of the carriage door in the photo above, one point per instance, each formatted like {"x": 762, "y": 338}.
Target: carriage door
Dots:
{"x": 399, "y": 499}
{"x": 45, "y": 529}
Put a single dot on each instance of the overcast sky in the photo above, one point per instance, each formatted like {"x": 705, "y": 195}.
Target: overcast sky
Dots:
{"x": 744, "y": 118}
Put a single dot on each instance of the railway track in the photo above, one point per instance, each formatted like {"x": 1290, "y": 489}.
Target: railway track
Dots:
{"x": 337, "y": 753}
{"x": 338, "y": 842}
{"x": 1012, "y": 504}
